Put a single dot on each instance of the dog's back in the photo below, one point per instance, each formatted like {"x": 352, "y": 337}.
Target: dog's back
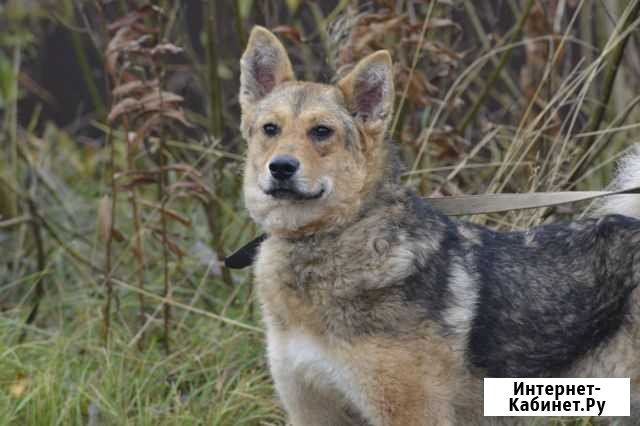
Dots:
{"x": 551, "y": 295}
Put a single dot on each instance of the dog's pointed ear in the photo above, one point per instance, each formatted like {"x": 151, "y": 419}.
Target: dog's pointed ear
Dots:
{"x": 369, "y": 92}
{"x": 263, "y": 66}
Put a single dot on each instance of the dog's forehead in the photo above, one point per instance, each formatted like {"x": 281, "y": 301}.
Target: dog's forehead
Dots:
{"x": 296, "y": 98}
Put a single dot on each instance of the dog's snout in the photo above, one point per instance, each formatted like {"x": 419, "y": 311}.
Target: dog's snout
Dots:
{"x": 283, "y": 167}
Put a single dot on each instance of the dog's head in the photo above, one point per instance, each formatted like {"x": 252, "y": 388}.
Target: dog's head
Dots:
{"x": 315, "y": 151}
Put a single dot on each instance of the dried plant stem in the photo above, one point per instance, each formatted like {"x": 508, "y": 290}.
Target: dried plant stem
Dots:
{"x": 108, "y": 243}
{"x": 41, "y": 265}
{"x": 215, "y": 111}
{"x": 166, "y": 290}
{"x": 215, "y": 101}
{"x": 139, "y": 255}
{"x": 12, "y": 210}
{"x": 138, "y": 242}
{"x": 471, "y": 114}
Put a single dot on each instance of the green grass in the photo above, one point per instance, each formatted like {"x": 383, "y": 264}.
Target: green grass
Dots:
{"x": 215, "y": 376}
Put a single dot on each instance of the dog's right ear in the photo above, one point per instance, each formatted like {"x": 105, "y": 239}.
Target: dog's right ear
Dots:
{"x": 368, "y": 90}
{"x": 263, "y": 66}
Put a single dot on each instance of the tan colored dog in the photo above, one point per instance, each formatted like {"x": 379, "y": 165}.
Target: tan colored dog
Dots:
{"x": 381, "y": 311}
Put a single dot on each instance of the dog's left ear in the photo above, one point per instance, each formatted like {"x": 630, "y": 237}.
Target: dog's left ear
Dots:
{"x": 263, "y": 66}
{"x": 369, "y": 92}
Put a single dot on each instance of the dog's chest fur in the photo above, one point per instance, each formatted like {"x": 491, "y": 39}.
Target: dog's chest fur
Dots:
{"x": 337, "y": 285}
{"x": 317, "y": 296}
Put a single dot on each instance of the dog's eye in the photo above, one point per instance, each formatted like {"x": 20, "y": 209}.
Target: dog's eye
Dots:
{"x": 271, "y": 129}
{"x": 320, "y": 132}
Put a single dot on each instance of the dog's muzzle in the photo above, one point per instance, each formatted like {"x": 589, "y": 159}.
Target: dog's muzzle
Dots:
{"x": 288, "y": 190}
{"x": 282, "y": 182}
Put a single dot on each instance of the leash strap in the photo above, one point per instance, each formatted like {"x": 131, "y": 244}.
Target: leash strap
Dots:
{"x": 463, "y": 205}
{"x": 498, "y": 203}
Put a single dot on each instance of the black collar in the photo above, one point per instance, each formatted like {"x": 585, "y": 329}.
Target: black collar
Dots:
{"x": 245, "y": 255}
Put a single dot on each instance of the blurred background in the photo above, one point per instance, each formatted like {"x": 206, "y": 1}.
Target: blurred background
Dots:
{"x": 121, "y": 166}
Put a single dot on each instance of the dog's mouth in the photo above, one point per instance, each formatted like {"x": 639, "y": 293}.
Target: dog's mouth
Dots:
{"x": 288, "y": 192}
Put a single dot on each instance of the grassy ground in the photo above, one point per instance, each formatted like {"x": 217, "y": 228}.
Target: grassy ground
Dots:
{"x": 113, "y": 306}
{"x": 214, "y": 376}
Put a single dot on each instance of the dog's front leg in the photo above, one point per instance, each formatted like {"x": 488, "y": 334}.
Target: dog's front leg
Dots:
{"x": 309, "y": 405}
{"x": 412, "y": 410}
{"x": 405, "y": 383}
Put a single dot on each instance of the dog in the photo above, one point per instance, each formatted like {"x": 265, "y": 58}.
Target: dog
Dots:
{"x": 381, "y": 311}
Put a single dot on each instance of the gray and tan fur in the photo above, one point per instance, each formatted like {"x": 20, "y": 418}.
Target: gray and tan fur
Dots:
{"x": 381, "y": 311}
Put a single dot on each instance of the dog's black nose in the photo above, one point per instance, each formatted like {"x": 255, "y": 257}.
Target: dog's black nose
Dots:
{"x": 283, "y": 167}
